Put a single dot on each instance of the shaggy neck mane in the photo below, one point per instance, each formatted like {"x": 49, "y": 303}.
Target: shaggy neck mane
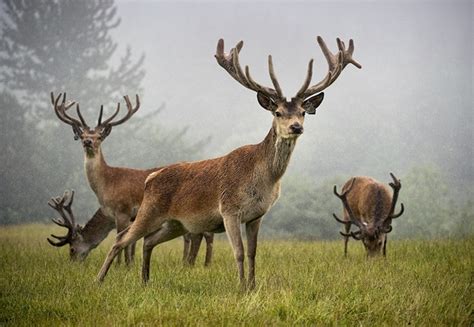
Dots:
{"x": 277, "y": 151}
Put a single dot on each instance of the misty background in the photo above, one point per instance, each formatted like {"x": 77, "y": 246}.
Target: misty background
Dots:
{"x": 409, "y": 110}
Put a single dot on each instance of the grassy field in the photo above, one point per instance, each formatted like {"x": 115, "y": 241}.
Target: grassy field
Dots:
{"x": 422, "y": 283}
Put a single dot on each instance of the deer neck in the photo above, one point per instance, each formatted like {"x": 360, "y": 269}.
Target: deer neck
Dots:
{"x": 95, "y": 167}
{"x": 277, "y": 153}
{"x": 97, "y": 229}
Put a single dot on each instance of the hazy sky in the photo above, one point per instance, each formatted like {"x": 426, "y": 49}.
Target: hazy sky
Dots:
{"x": 415, "y": 84}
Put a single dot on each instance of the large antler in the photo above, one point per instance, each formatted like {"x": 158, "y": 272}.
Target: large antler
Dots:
{"x": 396, "y": 186}
{"x": 336, "y": 63}
{"x": 353, "y": 220}
{"x": 60, "y": 109}
{"x": 63, "y": 206}
{"x": 230, "y": 62}
{"x": 130, "y": 112}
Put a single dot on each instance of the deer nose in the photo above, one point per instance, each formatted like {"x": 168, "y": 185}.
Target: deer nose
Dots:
{"x": 296, "y": 128}
{"x": 87, "y": 142}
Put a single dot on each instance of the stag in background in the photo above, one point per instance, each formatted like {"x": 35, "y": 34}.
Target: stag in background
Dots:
{"x": 238, "y": 188}
{"x": 119, "y": 190}
{"x": 81, "y": 240}
{"x": 369, "y": 206}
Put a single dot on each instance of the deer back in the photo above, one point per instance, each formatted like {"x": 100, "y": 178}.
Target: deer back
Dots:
{"x": 369, "y": 199}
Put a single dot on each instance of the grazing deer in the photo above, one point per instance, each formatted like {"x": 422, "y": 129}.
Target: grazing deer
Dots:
{"x": 238, "y": 188}
{"x": 369, "y": 206}
{"x": 81, "y": 240}
{"x": 119, "y": 190}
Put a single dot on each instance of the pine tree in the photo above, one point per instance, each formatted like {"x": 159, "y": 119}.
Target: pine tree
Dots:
{"x": 64, "y": 46}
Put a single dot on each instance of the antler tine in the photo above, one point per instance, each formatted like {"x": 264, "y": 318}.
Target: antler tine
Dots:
{"x": 343, "y": 198}
{"x": 57, "y": 244}
{"x": 78, "y": 110}
{"x": 355, "y": 235}
{"x": 309, "y": 76}
{"x": 230, "y": 62}
{"x": 106, "y": 122}
{"x": 336, "y": 63}
{"x": 99, "y": 122}
{"x": 273, "y": 77}
{"x": 346, "y": 222}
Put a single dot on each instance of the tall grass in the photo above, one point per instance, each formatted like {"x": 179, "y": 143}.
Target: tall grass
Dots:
{"x": 421, "y": 283}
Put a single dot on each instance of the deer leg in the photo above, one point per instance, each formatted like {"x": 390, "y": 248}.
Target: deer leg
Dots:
{"x": 168, "y": 232}
{"x": 187, "y": 242}
{"x": 196, "y": 240}
{"x": 209, "y": 237}
{"x": 232, "y": 228}
{"x": 251, "y": 230}
{"x": 132, "y": 251}
{"x": 123, "y": 221}
{"x": 124, "y": 238}
{"x": 384, "y": 249}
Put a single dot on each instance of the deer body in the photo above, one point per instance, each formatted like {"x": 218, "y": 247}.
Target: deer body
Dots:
{"x": 238, "y": 188}
{"x": 369, "y": 205}
{"x": 245, "y": 183}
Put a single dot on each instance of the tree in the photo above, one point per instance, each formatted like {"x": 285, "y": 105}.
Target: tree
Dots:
{"x": 66, "y": 45}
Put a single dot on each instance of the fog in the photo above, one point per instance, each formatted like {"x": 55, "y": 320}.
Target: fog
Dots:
{"x": 412, "y": 99}
{"x": 409, "y": 109}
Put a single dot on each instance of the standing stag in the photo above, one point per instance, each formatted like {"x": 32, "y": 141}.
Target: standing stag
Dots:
{"x": 119, "y": 190}
{"x": 81, "y": 240}
{"x": 238, "y": 188}
{"x": 369, "y": 205}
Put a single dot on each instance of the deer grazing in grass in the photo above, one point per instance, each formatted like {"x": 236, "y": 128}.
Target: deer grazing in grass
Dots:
{"x": 239, "y": 188}
{"x": 81, "y": 240}
{"x": 119, "y": 190}
{"x": 369, "y": 205}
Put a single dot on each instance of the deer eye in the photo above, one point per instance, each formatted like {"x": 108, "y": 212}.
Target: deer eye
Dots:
{"x": 277, "y": 114}
{"x": 303, "y": 113}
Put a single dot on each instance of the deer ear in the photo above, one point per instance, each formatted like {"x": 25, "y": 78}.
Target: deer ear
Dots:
{"x": 266, "y": 102}
{"x": 310, "y": 105}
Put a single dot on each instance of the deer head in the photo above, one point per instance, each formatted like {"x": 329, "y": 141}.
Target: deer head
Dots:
{"x": 78, "y": 249}
{"x": 91, "y": 137}
{"x": 288, "y": 115}
{"x": 371, "y": 234}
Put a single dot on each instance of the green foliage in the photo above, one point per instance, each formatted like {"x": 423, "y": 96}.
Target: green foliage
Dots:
{"x": 420, "y": 283}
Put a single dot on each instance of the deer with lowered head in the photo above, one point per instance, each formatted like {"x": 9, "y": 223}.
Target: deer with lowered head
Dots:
{"x": 119, "y": 190}
{"x": 238, "y": 188}
{"x": 81, "y": 240}
{"x": 369, "y": 206}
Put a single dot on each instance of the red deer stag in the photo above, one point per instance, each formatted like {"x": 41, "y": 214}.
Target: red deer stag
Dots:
{"x": 238, "y": 188}
{"x": 369, "y": 206}
{"x": 81, "y": 240}
{"x": 119, "y": 190}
